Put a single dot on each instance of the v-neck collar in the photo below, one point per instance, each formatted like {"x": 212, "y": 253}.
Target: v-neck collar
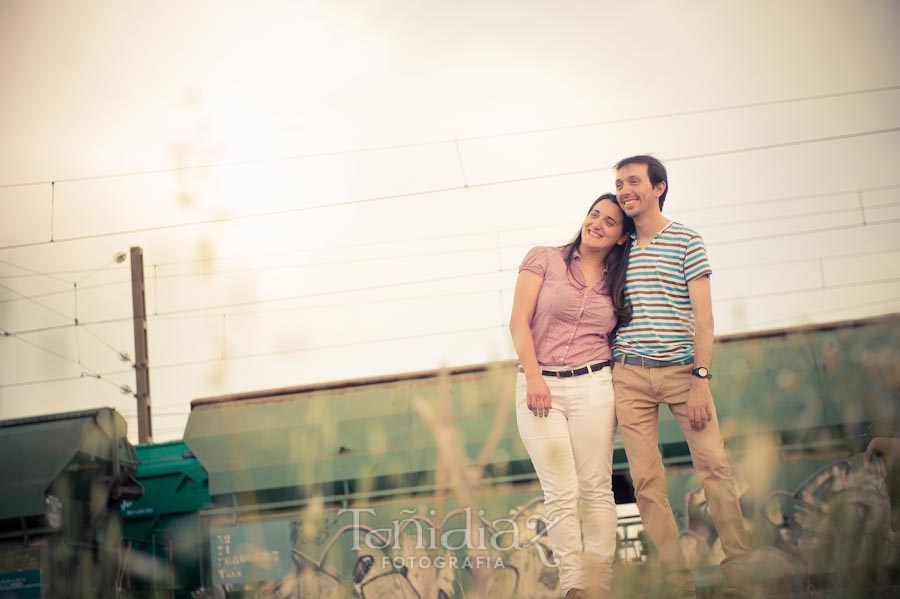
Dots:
{"x": 634, "y": 243}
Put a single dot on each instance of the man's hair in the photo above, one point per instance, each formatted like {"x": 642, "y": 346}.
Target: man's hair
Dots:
{"x": 655, "y": 170}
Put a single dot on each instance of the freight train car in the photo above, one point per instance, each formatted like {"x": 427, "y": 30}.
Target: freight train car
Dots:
{"x": 62, "y": 478}
{"x": 417, "y": 485}
{"x": 162, "y": 556}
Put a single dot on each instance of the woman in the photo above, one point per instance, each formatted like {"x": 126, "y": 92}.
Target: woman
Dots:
{"x": 567, "y": 304}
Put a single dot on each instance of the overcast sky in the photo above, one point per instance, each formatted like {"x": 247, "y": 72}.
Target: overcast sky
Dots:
{"x": 331, "y": 190}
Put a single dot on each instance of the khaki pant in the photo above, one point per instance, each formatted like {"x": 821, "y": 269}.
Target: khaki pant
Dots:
{"x": 639, "y": 393}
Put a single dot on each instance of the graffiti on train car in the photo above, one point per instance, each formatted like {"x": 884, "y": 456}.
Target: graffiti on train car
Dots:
{"x": 837, "y": 520}
{"x": 394, "y": 551}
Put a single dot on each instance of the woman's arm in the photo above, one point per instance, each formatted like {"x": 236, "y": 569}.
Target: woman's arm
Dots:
{"x": 528, "y": 286}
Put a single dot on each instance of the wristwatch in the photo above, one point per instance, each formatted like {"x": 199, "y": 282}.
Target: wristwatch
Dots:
{"x": 702, "y": 372}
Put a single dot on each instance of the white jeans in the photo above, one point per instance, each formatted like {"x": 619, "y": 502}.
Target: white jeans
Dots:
{"x": 571, "y": 450}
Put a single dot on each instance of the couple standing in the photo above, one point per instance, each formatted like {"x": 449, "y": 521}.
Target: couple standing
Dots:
{"x": 624, "y": 307}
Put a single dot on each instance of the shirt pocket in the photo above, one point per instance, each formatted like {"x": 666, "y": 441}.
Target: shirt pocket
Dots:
{"x": 670, "y": 274}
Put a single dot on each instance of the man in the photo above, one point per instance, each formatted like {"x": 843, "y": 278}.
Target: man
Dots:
{"x": 661, "y": 357}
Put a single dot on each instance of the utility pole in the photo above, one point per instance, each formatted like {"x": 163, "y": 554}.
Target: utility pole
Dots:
{"x": 141, "y": 366}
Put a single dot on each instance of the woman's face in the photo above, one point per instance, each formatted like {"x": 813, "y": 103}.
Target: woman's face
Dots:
{"x": 603, "y": 227}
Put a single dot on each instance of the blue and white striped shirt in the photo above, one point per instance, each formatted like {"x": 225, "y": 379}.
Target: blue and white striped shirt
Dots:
{"x": 656, "y": 284}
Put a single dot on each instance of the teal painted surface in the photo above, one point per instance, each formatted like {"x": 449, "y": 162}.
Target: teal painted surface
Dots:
{"x": 20, "y": 585}
{"x": 791, "y": 407}
{"x": 807, "y": 387}
{"x": 174, "y": 482}
{"x": 358, "y": 434}
{"x": 38, "y": 452}
{"x": 57, "y": 475}
{"x": 165, "y": 521}
{"x": 250, "y": 552}
{"x": 493, "y": 543}
{"x": 807, "y": 379}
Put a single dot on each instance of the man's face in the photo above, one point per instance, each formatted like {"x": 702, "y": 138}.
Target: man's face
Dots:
{"x": 636, "y": 196}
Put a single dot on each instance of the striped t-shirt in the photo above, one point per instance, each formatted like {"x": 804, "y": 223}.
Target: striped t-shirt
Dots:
{"x": 662, "y": 324}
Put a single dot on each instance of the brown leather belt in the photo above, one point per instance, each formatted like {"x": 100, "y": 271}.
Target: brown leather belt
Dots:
{"x": 564, "y": 374}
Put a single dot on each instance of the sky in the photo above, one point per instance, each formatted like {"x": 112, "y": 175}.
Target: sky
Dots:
{"x": 325, "y": 191}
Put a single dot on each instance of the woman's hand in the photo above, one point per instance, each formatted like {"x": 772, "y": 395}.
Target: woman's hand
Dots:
{"x": 538, "y": 395}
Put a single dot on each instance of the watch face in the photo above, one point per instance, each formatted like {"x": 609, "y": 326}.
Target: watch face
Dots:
{"x": 702, "y": 372}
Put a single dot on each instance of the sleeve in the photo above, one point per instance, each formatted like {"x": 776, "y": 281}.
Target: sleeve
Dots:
{"x": 536, "y": 260}
{"x": 696, "y": 260}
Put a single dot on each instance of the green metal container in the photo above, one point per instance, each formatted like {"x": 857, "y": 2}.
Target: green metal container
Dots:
{"x": 287, "y": 461}
{"x": 162, "y": 527}
{"x": 61, "y": 479}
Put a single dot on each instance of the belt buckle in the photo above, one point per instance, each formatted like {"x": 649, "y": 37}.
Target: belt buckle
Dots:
{"x": 564, "y": 374}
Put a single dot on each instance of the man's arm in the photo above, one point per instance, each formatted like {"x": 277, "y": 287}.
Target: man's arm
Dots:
{"x": 700, "y": 401}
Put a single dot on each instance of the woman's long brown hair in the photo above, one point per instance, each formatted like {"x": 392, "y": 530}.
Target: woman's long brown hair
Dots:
{"x": 616, "y": 263}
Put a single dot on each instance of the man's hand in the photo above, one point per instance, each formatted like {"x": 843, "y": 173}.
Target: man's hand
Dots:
{"x": 538, "y": 395}
{"x": 699, "y": 404}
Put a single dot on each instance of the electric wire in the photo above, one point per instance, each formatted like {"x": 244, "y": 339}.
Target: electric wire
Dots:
{"x": 65, "y": 291}
{"x": 686, "y": 157}
{"x": 494, "y": 232}
{"x": 343, "y": 345}
{"x": 442, "y": 190}
{"x": 455, "y": 277}
{"x": 95, "y": 271}
{"x": 73, "y": 319}
{"x": 820, "y": 287}
{"x": 499, "y": 247}
{"x": 86, "y": 371}
{"x": 123, "y": 355}
{"x": 501, "y": 327}
{"x": 526, "y": 132}
{"x": 58, "y": 380}
{"x": 51, "y": 274}
{"x": 33, "y": 273}
{"x": 755, "y": 324}
{"x": 209, "y": 308}
{"x": 23, "y": 297}
{"x": 787, "y": 320}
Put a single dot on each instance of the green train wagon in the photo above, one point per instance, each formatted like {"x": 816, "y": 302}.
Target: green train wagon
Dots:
{"x": 161, "y": 528}
{"x": 289, "y": 469}
{"x": 62, "y": 477}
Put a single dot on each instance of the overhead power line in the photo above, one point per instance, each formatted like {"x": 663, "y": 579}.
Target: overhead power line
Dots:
{"x": 61, "y": 379}
{"x": 73, "y": 318}
{"x": 206, "y": 310}
{"x": 503, "y": 326}
{"x": 329, "y": 346}
{"x": 33, "y": 273}
{"x": 429, "y": 238}
{"x": 363, "y": 259}
{"x": 440, "y": 190}
{"x": 86, "y": 372}
{"x": 456, "y": 140}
